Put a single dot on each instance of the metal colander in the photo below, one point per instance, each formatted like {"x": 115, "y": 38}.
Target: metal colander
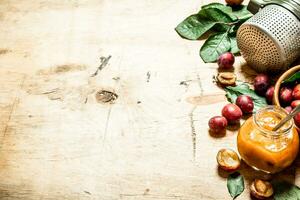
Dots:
{"x": 270, "y": 40}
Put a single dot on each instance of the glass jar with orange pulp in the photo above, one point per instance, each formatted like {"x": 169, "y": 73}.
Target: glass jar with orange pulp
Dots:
{"x": 264, "y": 149}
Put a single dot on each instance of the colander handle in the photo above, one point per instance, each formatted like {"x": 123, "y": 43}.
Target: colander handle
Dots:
{"x": 292, "y": 5}
{"x": 255, "y": 5}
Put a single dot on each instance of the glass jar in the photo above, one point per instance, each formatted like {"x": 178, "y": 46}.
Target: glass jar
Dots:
{"x": 264, "y": 149}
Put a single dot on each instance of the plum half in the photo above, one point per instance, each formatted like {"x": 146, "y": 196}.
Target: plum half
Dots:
{"x": 228, "y": 160}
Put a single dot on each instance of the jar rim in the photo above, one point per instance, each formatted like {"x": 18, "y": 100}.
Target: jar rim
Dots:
{"x": 278, "y": 133}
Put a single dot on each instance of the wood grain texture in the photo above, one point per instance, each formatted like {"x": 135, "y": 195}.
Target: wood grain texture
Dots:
{"x": 152, "y": 142}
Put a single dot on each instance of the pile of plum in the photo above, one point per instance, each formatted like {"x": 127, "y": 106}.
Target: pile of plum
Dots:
{"x": 289, "y": 97}
{"x": 232, "y": 113}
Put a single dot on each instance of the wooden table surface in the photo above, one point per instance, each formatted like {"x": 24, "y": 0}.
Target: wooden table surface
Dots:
{"x": 60, "y": 139}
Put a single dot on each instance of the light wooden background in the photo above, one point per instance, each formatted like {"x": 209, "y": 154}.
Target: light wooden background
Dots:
{"x": 58, "y": 142}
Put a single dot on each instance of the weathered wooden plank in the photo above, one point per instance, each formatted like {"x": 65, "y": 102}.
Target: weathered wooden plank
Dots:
{"x": 59, "y": 141}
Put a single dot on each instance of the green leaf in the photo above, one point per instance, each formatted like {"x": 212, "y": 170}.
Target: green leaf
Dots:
{"x": 284, "y": 191}
{"x": 234, "y": 29}
{"x": 243, "y": 89}
{"x": 218, "y": 16}
{"x": 235, "y": 184}
{"x": 232, "y": 93}
{"x": 241, "y": 12}
{"x": 217, "y": 5}
{"x": 214, "y": 46}
{"x": 225, "y": 9}
{"x": 194, "y": 27}
{"x": 295, "y": 77}
{"x": 221, "y": 28}
{"x": 234, "y": 47}
{"x": 215, "y": 14}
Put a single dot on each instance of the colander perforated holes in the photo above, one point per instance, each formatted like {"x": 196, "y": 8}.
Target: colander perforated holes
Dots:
{"x": 270, "y": 40}
{"x": 257, "y": 48}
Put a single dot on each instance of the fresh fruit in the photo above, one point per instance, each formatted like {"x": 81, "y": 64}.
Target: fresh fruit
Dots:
{"x": 226, "y": 78}
{"x": 295, "y": 103}
{"x": 234, "y": 2}
{"x": 288, "y": 109}
{"x": 285, "y": 95}
{"x": 232, "y": 112}
{"x": 270, "y": 94}
{"x": 226, "y": 60}
{"x": 228, "y": 160}
{"x": 261, "y": 84}
{"x": 261, "y": 189}
{"x": 297, "y": 119}
{"x": 296, "y": 92}
{"x": 217, "y": 123}
{"x": 245, "y": 103}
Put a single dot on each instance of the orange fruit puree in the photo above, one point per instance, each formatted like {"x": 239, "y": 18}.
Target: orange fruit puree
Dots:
{"x": 265, "y": 151}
